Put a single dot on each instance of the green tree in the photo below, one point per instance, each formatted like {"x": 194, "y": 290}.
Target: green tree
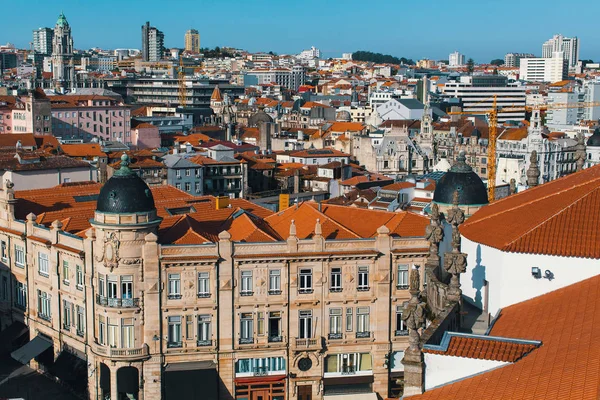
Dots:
{"x": 470, "y": 66}
{"x": 497, "y": 62}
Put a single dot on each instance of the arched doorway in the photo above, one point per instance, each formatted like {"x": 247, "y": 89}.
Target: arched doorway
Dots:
{"x": 104, "y": 382}
{"x": 128, "y": 380}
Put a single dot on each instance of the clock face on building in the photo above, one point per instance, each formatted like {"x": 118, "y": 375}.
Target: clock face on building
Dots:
{"x": 304, "y": 364}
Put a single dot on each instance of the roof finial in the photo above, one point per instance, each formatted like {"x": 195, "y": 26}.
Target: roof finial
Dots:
{"x": 580, "y": 153}
{"x": 318, "y": 230}
{"x": 124, "y": 170}
{"x": 292, "y": 229}
{"x": 533, "y": 172}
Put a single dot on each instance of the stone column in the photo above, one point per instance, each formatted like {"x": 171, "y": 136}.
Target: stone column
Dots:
{"x": 455, "y": 262}
{"x": 114, "y": 394}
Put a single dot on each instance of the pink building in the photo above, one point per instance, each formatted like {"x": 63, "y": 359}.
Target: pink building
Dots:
{"x": 144, "y": 135}
{"x": 85, "y": 117}
{"x": 25, "y": 114}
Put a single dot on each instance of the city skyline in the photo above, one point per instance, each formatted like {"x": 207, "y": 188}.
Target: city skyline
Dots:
{"x": 313, "y": 27}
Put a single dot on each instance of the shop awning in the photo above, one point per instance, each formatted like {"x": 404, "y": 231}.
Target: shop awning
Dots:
{"x": 357, "y": 396}
{"x": 71, "y": 369}
{"x": 190, "y": 366}
{"x": 32, "y": 349}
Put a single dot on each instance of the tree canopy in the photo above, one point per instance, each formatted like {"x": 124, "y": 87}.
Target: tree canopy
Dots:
{"x": 497, "y": 61}
{"x": 380, "y": 58}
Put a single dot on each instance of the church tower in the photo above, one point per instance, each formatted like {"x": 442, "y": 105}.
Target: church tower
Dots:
{"x": 63, "y": 67}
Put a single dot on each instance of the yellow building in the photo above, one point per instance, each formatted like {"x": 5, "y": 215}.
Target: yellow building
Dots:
{"x": 192, "y": 41}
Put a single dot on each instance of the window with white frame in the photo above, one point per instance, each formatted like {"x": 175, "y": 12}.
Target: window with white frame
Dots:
{"x": 305, "y": 324}
{"x": 402, "y": 281}
{"x": 349, "y": 319}
{"x": 43, "y": 264}
{"x": 363, "y": 278}
{"x": 65, "y": 272}
{"x": 336, "y": 280}
{"x": 127, "y": 333}
{"x": 44, "y": 305}
{"x": 335, "y": 323}
{"x": 112, "y": 287}
{"x": 113, "y": 329}
{"x": 274, "y": 281}
{"x": 348, "y": 363}
{"x": 101, "y": 285}
{"x": 101, "y": 330}
{"x": 174, "y": 286}
{"x": 305, "y": 281}
{"x": 79, "y": 277}
{"x": 80, "y": 321}
{"x": 174, "y": 331}
{"x": 246, "y": 288}
{"x": 3, "y": 252}
{"x": 362, "y": 320}
{"x": 401, "y": 328}
{"x": 67, "y": 314}
{"x": 246, "y": 327}
{"x": 21, "y": 295}
{"x": 203, "y": 284}
{"x": 260, "y": 365}
{"x": 204, "y": 332}
{"x": 127, "y": 287}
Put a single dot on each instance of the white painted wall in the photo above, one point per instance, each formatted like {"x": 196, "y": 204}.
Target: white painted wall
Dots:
{"x": 44, "y": 179}
{"x": 440, "y": 370}
{"x": 509, "y": 274}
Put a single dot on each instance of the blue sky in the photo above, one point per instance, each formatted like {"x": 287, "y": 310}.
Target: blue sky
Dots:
{"x": 483, "y": 29}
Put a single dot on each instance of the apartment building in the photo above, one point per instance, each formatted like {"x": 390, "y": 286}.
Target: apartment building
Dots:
{"x": 192, "y": 41}
{"x": 553, "y": 69}
{"x": 153, "y": 43}
{"x": 291, "y": 78}
{"x": 456, "y": 59}
{"x": 26, "y": 114}
{"x": 569, "y": 47}
{"x": 513, "y": 60}
{"x": 84, "y": 117}
{"x": 42, "y": 40}
{"x": 169, "y": 289}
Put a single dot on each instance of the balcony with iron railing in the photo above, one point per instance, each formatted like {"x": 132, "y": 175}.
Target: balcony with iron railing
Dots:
{"x": 335, "y": 336}
{"x": 45, "y": 317}
{"x": 363, "y": 335}
{"x": 401, "y": 332}
{"x": 174, "y": 344}
{"x": 275, "y": 339}
{"x": 261, "y": 371}
{"x": 203, "y": 295}
{"x": 203, "y": 343}
{"x": 249, "y": 340}
{"x": 114, "y": 302}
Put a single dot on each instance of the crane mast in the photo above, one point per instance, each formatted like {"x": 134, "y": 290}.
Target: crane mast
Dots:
{"x": 181, "y": 79}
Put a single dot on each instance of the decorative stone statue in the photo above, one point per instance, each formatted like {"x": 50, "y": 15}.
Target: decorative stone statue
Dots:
{"x": 455, "y": 262}
{"x": 414, "y": 313}
{"x": 513, "y": 186}
{"x": 580, "y": 153}
{"x": 434, "y": 235}
{"x": 533, "y": 172}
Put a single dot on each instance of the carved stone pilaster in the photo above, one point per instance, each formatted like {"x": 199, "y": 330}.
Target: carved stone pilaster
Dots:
{"x": 455, "y": 262}
{"x": 434, "y": 235}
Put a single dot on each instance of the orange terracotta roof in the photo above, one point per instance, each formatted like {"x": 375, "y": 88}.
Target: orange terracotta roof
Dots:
{"x": 514, "y": 134}
{"x": 398, "y": 186}
{"x": 565, "y": 366}
{"x": 216, "y": 94}
{"x": 557, "y": 218}
{"x": 83, "y": 150}
{"x": 355, "y": 180}
{"x": 483, "y": 347}
{"x": 346, "y": 127}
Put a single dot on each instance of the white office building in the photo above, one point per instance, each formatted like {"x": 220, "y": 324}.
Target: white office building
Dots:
{"x": 569, "y": 47}
{"x": 42, "y": 40}
{"x": 456, "y": 59}
{"x": 477, "y": 94}
{"x": 551, "y": 70}
{"x": 309, "y": 54}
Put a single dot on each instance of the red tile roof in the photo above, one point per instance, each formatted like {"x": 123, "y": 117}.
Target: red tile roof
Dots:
{"x": 565, "y": 366}
{"x": 557, "y": 218}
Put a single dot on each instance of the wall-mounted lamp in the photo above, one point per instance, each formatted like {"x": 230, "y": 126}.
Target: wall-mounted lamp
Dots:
{"x": 536, "y": 272}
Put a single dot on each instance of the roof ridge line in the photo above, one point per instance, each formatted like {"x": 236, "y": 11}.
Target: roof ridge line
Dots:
{"x": 520, "y": 205}
{"x": 334, "y": 221}
{"x": 551, "y": 216}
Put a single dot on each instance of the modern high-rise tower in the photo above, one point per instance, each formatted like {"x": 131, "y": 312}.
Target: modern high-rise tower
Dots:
{"x": 192, "y": 41}
{"x": 63, "y": 67}
{"x": 42, "y": 40}
{"x": 153, "y": 42}
{"x": 569, "y": 47}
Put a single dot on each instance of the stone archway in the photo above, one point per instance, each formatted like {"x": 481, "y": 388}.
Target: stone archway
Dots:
{"x": 104, "y": 381}
{"x": 128, "y": 380}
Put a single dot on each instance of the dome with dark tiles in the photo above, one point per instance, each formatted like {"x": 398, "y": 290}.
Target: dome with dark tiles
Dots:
{"x": 461, "y": 178}
{"x": 125, "y": 192}
{"x": 594, "y": 140}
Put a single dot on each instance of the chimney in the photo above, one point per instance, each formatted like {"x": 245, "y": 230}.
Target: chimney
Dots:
{"x": 221, "y": 202}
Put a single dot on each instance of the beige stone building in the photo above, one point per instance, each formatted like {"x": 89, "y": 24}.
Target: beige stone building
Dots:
{"x": 159, "y": 294}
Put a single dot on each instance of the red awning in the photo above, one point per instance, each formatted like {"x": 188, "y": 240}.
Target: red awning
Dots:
{"x": 260, "y": 379}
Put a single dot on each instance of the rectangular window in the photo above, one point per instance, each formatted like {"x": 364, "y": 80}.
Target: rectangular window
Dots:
{"x": 79, "y": 277}
{"x": 336, "y": 280}
{"x": 260, "y": 323}
{"x": 174, "y": 332}
{"x": 113, "y": 335}
{"x": 401, "y": 329}
{"x": 274, "y": 281}
{"x": 178, "y": 173}
{"x": 80, "y": 321}
{"x": 20, "y": 256}
{"x": 246, "y": 328}
{"x": 21, "y": 295}
{"x": 204, "y": 332}
{"x": 4, "y": 288}
{"x": 43, "y": 265}
{"x": 44, "y": 310}
{"x": 362, "y": 322}
{"x": 402, "y": 282}
{"x": 127, "y": 333}
{"x": 101, "y": 330}
{"x": 335, "y": 323}
{"x": 67, "y": 307}
{"x": 349, "y": 319}
{"x": 174, "y": 286}
{"x": 275, "y": 326}
{"x": 189, "y": 327}
{"x": 101, "y": 287}
{"x": 203, "y": 284}
{"x": 246, "y": 289}
{"x": 3, "y": 252}
{"x": 187, "y": 172}
{"x": 363, "y": 278}
{"x": 305, "y": 324}
{"x": 306, "y": 281}
{"x": 65, "y": 272}
{"x": 188, "y": 186}
{"x": 112, "y": 287}
{"x": 127, "y": 287}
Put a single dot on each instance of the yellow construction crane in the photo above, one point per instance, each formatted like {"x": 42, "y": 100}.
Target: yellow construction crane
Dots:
{"x": 182, "y": 87}
{"x": 492, "y": 115}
